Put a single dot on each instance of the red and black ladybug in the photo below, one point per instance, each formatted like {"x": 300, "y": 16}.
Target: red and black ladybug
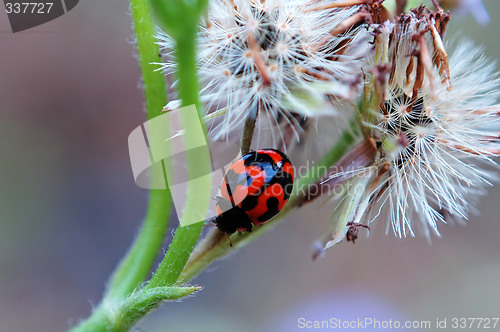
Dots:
{"x": 254, "y": 189}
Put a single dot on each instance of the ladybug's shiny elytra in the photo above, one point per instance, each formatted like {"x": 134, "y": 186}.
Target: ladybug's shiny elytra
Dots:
{"x": 254, "y": 189}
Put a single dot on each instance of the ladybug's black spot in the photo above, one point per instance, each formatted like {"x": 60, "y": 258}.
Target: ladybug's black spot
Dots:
{"x": 257, "y": 159}
{"x": 249, "y": 203}
{"x": 272, "y": 209}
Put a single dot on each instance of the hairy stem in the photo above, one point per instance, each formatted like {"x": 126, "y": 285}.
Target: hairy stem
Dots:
{"x": 123, "y": 315}
{"x": 180, "y": 19}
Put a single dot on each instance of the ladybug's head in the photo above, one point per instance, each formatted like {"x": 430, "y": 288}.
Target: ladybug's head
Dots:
{"x": 231, "y": 218}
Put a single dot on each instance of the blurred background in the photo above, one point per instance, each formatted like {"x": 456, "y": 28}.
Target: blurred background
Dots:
{"x": 69, "y": 208}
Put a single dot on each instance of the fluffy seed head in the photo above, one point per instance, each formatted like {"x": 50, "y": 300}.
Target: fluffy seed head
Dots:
{"x": 277, "y": 58}
{"x": 434, "y": 123}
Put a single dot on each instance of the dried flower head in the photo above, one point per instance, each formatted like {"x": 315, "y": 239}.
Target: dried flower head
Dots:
{"x": 430, "y": 123}
{"x": 275, "y": 58}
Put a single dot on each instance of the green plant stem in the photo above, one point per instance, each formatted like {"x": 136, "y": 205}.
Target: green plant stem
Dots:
{"x": 215, "y": 245}
{"x": 137, "y": 264}
{"x": 155, "y": 92}
{"x": 125, "y": 314}
{"x": 181, "y": 20}
{"x": 177, "y": 255}
{"x": 145, "y": 300}
{"x": 188, "y": 86}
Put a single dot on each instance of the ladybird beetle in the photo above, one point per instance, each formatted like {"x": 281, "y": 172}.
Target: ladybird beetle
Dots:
{"x": 254, "y": 189}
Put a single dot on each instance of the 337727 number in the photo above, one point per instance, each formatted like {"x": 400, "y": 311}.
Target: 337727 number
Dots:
{"x": 474, "y": 323}
{"x": 28, "y": 7}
